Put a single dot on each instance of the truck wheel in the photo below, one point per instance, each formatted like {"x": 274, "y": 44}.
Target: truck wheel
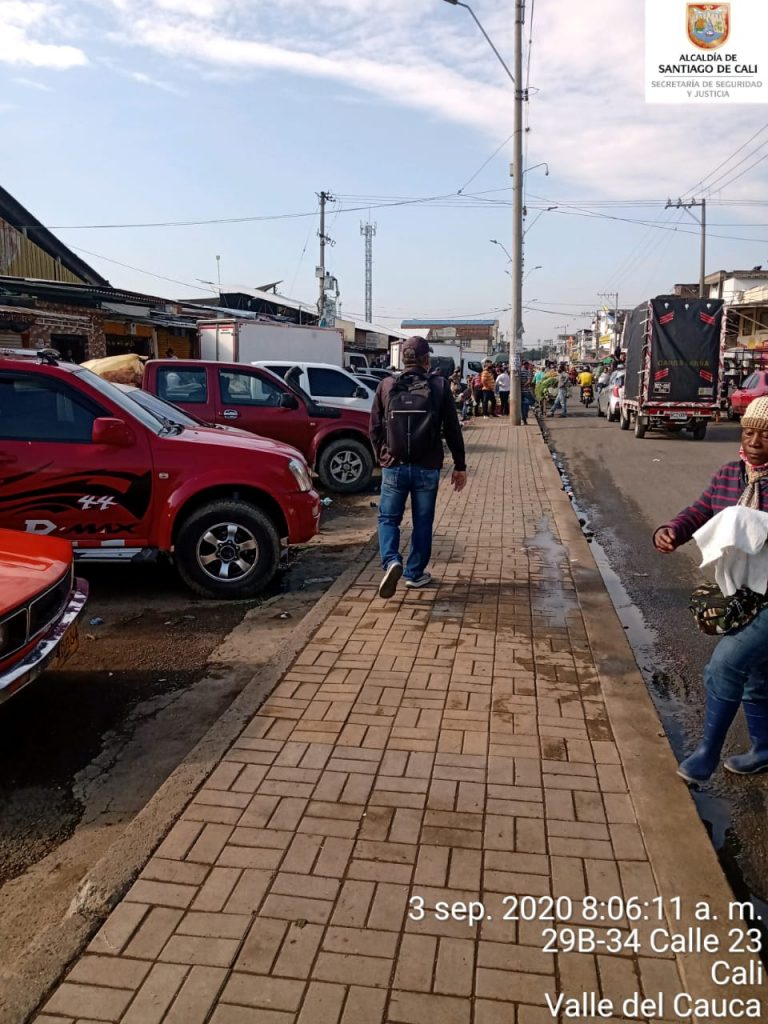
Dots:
{"x": 700, "y": 431}
{"x": 345, "y": 466}
{"x": 228, "y": 549}
{"x": 623, "y": 419}
{"x": 732, "y": 414}
{"x": 641, "y": 425}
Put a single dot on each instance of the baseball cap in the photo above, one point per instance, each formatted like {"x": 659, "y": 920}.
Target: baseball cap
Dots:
{"x": 418, "y": 346}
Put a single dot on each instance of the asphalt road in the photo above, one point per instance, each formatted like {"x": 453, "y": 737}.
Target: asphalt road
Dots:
{"x": 624, "y": 488}
{"x": 84, "y": 749}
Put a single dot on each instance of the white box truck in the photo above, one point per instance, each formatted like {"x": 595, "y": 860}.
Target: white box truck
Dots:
{"x": 251, "y": 341}
{"x": 443, "y": 355}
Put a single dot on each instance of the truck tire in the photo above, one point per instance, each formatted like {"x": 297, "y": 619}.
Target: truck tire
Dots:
{"x": 700, "y": 431}
{"x": 228, "y": 549}
{"x": 623, "y": 419}
{"x": 732, "y": 414}
{"x": 641, "y": 425}
{"x": 345, "y": 466}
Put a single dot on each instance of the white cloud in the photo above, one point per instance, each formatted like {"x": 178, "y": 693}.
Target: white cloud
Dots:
{"x": 30, "y": 83}
{"x": 587, "y": 114}
{"x": 20, "y": 26}
{"x": 155, "y": 83}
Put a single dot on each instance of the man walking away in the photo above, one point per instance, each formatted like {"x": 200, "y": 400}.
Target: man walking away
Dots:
{"x": 409, "y": 416}
{"x": 563, "y": 383}
{"x": 488, "y": 382}
{"x": 503, "y": 384}
{"x": 527, "y": 397}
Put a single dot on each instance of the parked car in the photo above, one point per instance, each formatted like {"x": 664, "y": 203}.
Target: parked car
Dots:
{"x": 326, "y": 383}
{"x": 40, "y": 603}
{"x": 755, "y": 386}
{"x": 82, "y": 461}
{"x": 372, "y": 383}
{"x": 334, "y": 441}
{"x": 380, "y": 373}
{"x": 609, "y": 397}
{"x": 356, "y": 362}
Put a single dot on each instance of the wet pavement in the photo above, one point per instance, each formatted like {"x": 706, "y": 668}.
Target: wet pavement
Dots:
{"x": 623, "y": 488}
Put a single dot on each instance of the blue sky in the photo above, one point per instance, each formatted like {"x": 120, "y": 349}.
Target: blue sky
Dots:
{"x": 126, "y": 111}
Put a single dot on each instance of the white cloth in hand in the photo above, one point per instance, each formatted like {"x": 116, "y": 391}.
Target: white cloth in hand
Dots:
{"x": 734, "y": 543}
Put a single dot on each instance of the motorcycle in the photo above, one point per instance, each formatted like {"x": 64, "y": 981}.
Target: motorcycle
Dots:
{"x": 587, "y": 395}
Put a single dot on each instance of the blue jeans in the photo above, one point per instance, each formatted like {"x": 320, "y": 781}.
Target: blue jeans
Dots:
{"x": 738, "y": 668}
{"x": 561, "y": 401}
{"x": 396, "y": 485}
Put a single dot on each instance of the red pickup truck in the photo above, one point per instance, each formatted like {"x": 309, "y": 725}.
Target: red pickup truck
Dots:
{"x": 333, "y": 441}
{"x": 81, "y": 460}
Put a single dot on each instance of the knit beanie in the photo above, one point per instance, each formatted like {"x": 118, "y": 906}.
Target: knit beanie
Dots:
{"x": 756, "y": 415}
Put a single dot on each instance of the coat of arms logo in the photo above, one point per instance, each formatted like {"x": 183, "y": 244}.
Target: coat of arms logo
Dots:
{"x": 709, "y": 25}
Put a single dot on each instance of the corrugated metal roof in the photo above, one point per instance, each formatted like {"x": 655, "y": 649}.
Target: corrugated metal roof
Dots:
{"x": 13, "y": 213}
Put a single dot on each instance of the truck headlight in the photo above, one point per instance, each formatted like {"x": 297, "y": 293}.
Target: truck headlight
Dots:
{"x": 301, "y": 474}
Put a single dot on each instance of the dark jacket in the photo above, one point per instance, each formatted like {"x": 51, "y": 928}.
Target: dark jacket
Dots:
{"x": 725, "y": 489}
{"x": 448, "y": 417}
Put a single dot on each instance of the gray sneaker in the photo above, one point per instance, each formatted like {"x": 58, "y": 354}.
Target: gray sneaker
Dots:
{"x": 388, "y": 585}
{"x": 422, "y": 581}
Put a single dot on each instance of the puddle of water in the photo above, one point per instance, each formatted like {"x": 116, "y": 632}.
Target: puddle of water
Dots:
{"x": 714, "y": 811}
{"x": 550, "y": 597}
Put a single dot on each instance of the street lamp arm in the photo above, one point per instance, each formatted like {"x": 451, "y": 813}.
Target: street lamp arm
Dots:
{"x": 458, "y": 3}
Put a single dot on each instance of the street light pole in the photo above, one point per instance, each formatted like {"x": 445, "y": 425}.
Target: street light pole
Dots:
{"x": 517, "y": 220}
{"x": 515, "y": 341}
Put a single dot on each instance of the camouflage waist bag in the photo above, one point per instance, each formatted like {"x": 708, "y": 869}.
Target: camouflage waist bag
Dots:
{"x": 716, "y": 614}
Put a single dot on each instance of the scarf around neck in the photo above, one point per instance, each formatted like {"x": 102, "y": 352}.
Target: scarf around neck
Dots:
{"x": 751, "y": 494}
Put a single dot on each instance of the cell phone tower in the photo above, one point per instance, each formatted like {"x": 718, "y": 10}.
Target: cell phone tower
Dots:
{"x": 368, "y": 231}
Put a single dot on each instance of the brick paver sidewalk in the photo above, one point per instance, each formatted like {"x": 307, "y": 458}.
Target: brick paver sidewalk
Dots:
{"x": 451, "y": 744}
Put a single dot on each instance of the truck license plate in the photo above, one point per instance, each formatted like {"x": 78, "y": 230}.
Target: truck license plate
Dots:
{"x": 68, "y": 646}
{"x": 678, "y": 416}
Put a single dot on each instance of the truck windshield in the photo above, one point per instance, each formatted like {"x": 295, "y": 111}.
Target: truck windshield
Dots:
{"x": 119, "y": 398}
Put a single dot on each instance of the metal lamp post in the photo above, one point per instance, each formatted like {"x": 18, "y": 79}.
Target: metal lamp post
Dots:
{"x": 517, "y": 199}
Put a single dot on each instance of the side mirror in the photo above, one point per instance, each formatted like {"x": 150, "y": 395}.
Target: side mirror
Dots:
{"x": 361, "y": 393}
{"x": 113, "y": 432}
{"x": 288, "y": 401}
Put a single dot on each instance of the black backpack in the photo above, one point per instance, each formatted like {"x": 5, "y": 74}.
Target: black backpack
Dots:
{"x": 413, "y": 423}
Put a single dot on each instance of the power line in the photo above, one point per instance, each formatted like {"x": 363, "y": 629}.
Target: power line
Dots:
{"x": 726, "y": 161}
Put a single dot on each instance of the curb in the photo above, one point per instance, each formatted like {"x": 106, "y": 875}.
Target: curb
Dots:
{"x": 40, "y": 966}
{"x": 680, "y": 852}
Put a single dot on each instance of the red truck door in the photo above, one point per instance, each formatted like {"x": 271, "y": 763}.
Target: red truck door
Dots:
{"x": 55, "y": 479}
{"x": 187, "y": 385}
{"x": 253, "y": 400}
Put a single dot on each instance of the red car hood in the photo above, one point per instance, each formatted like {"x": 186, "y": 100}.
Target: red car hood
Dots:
{"x": 232, "y": 440}
{"x": 29, "y": 564}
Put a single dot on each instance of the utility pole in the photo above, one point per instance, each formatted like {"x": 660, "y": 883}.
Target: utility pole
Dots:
{"x": 615, "y": 297}
{"x": 324, "y": 197}
{"x": 516, "y": 341}
{"x": 368, "y": 230}
{"x": 680, "y": 205}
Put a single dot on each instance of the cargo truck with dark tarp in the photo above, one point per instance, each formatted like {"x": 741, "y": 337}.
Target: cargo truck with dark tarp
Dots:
{"x": 674, "y": 365}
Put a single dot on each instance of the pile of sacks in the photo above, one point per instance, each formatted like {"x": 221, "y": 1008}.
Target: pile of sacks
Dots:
{"x": 124, "y": 369}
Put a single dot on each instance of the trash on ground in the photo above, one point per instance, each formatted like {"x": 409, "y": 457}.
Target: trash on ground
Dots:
{"x": 319, "y": 579}
{"x": 326, "y": 502}
{"x": 97, "y": 621}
